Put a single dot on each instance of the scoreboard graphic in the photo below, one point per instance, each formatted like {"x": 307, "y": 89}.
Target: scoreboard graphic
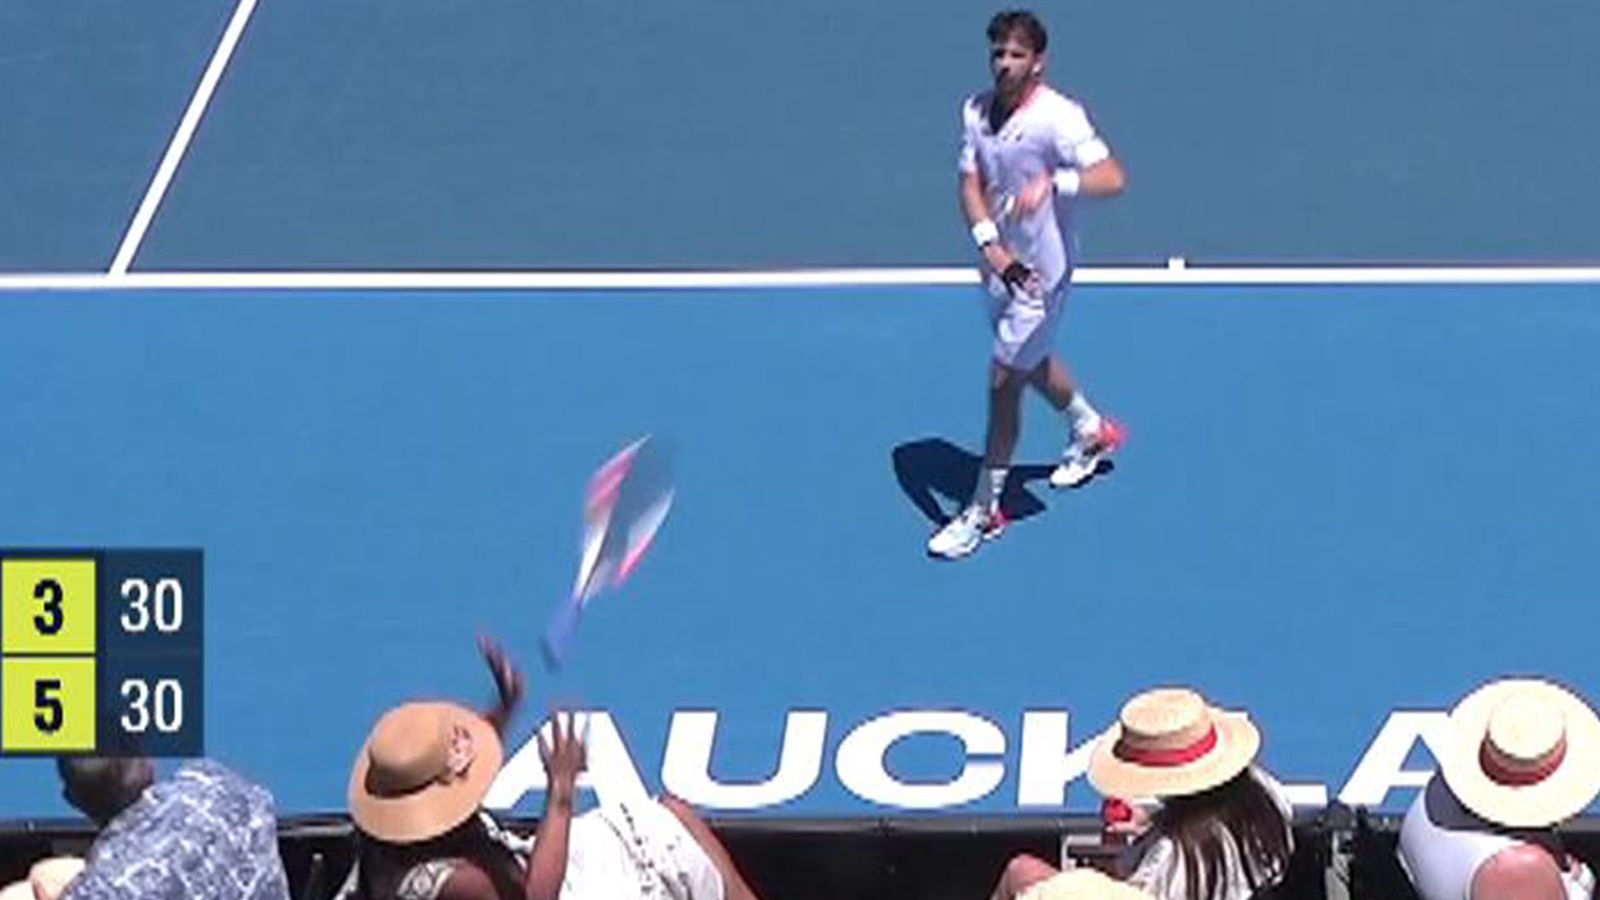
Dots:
{"x": 101, "y": 652}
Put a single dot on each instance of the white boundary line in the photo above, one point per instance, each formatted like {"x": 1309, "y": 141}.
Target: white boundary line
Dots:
{"x": 796, "y": 278}
{"x": 180, "y": 139}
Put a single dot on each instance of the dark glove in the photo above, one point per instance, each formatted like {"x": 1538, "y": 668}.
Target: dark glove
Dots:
{"x": 1017, "y": 277}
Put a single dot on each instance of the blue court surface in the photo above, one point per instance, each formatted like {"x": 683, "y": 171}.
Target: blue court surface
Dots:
{"x": 1337, "y": 503}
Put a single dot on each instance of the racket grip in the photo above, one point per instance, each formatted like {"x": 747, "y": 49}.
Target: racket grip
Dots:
{"x": 559, "y": 635}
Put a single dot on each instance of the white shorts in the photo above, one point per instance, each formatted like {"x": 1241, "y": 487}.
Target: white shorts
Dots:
{"x": 637, "y": 850}
{"x": 1025, "y": 328}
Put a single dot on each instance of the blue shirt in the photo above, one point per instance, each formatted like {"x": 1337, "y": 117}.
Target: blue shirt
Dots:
{"x": 205, "y": 834}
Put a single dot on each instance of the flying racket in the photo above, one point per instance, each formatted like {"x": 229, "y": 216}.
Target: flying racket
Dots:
{"x": 625, "y": 505}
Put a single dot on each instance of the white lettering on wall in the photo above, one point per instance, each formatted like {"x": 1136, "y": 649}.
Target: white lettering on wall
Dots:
{"x": 1382, "y": 768}
{"x": 1048, "y": 765}
{"x": 686, "y": 765}
{"x": 861, "y": 769}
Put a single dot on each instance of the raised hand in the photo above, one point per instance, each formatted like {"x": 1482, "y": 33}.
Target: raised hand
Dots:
{"x": 508, "y": 682}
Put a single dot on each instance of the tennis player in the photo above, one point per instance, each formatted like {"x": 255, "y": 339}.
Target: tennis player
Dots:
{"x": 1027, "y": 154}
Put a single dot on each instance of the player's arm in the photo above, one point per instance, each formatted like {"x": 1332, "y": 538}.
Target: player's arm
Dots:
{"x": 1523, "y": 872}
{"x": 974, "y": 204}
{"x": 1016, "y": 275}
{"x": 1085, "y": 166}
{"x": 981, "y": 222}
{"x": 508, "y": 684}
{"x": 1105, "y": 178}
{"x": 548, "y": 866}
{"x": 564, "y": 758}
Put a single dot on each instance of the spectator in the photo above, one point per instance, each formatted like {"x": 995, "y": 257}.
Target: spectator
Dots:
{"x": 1222, "y": 827}
{"x": 1523, "y": 757}
{"x": 415, "y": 796}
{"x": 1221, "y": 830}
{"x": 204, "y": 834}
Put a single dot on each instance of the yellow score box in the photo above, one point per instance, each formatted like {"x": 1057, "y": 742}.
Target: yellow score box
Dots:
{"x": 49, "y": 606}
{"x": 48, "y": 705}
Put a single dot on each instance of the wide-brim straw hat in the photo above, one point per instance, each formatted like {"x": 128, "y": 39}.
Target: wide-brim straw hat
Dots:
{"x": 1523, "y": 753}
{"x": 1170, "y": 742}
{"x": 423, "y": 770}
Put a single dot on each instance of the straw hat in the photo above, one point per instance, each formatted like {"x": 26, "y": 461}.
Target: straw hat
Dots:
{"x": 424, "y": 770}
{"x": 1170, "y": 742}
{"x": 1523, "y": 753}
{"x": 1082, "y": 884}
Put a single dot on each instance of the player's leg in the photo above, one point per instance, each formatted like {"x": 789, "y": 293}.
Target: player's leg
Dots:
{"x": 1054, "y": 382}
{"x": 982, "y": 517}
{"x": 1093, "y": 437}
{"x": 1021, "y": 343}
{"x": 1005, "y": 428}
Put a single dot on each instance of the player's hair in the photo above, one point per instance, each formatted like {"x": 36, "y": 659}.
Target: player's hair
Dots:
{"x": 102, "y": 787}
{"x": 1019, "y": 21}
{"x": 1240, "y": 812}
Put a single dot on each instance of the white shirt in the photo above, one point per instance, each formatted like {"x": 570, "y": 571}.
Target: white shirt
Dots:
{"x": 1443, "y": 844}
{"x": 620, "y": 851}
{"x": 1046, "y": 132}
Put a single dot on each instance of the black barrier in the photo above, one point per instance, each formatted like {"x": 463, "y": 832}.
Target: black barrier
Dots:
{"x": 1340, "y": 854}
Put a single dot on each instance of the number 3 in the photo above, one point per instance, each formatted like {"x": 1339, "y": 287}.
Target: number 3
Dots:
{"x": 48, "y": 590}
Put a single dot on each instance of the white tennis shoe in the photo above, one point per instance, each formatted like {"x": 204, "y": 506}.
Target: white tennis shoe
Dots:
{"x": 962, "y": 535}
{"x": 1083, "y": 456}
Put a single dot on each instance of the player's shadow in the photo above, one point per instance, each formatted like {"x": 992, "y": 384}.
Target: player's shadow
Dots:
{"x": 939, "y": 477}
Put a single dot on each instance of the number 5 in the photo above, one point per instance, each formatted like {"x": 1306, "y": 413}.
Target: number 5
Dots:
{"x": 49, "y": 716}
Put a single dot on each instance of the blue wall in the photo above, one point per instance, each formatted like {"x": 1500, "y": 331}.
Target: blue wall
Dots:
{"x": 717, "y": 133}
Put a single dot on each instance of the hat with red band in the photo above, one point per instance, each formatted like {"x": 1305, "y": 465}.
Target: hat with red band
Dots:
{"x": 1523, "y": 753}
{"x": 1170, "y": 742}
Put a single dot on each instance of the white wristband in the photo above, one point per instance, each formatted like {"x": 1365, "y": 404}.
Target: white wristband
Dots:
{"x": 1067, "y": 181}
{"x": 984, "y": 233}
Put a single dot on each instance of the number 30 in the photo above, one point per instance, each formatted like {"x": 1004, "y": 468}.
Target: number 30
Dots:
{"x": 168, "y": 606}
{"x": 169, "y": 705}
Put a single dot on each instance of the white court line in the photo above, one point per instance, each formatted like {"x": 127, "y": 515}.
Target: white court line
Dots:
{"x": 180, "y": 139}
{"x": 797, "y": 278}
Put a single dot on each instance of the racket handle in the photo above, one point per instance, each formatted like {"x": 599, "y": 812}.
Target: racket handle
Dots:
{"x": 559, "y": 635}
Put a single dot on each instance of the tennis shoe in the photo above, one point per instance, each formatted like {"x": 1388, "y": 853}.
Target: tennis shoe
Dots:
{"x": 1082, "y": 458}
{"x": 963, "y": 534}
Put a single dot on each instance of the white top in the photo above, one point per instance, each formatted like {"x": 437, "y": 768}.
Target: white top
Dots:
{"x": 620, "y": 851}
{"x": 1045, "y": 133}
{"x": 637, "y": 851}
{"x": 1443, "y": 844}
{"x": 1158, "y": 863}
